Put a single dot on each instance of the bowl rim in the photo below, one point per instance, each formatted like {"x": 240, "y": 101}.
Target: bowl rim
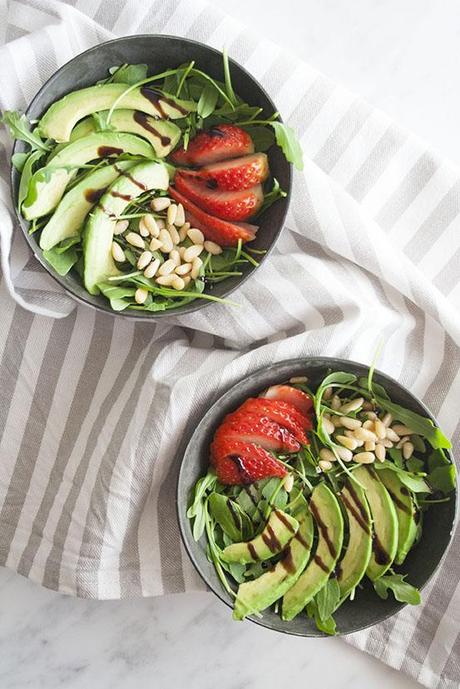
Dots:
{"x": 234, "y": 388}
{"x": 197, "y": 304}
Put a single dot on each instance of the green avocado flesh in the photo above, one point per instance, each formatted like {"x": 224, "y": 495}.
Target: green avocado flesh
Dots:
{"x": 98, "y": 233}
{"x": 385, "y": 522}
{"x": 329, "y": 522}
{"x": 161, "y": 134}
{"x": 405, "y": 510}
{"x": 352, "y": 567}
{"x": 68, "y": 218}
{"x": 279, "y": 530}
{"x": 257, "y": 595}
{"x": 47, "y": 185}
{"x": 59, "y": 120}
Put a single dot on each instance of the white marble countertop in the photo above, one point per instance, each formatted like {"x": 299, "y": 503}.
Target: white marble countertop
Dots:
{"x": 402, "y": 57}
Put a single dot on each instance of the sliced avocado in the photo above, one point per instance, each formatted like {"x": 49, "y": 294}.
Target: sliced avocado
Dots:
{"x": 352, "y": 567}
{"x": 278, "y": 531}
{"x": 161, "y": 134}
{"x": 48, "y": 184}
{"x": 59, "y": 120}
{"x": 406, "y": 511}
{"x": 68, "y": 218}
{"x": 329, "y": 521}
{"x": 257, "y": 595}
{"x": 98, "y": 232}
{"x": 385, "y": 522}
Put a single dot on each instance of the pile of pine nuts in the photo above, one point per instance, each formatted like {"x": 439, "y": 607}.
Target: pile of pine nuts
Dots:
{"x": 165, "y": 232}
{"x": 360, "y": 434}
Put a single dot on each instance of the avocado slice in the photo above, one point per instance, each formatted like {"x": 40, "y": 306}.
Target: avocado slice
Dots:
{"x": 98, "y": 232}
{"x": 48, "y": 184}
{"x": 59, "y": 120}
{"x": 161, "y": 134}
{"x": 385, "y": 522}
{"x": 68, "y": 218}
{"x": 352, "y": 567}
{"x": 259, "y": 594}
{"x": 329, "y": 521}
{"x": 278, "y": 531}
{"x": 405, "y": 510}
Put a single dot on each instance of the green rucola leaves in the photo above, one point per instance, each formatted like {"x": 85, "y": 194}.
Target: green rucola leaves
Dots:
{"x": 20, "y": 128}
{"x": 402, "y": 590}
{"x": 287, "y": 140}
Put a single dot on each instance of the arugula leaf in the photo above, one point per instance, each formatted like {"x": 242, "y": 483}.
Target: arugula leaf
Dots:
{"x": 289, "y": 144}
{"x": 62, "y": 261}
{"x": 26, "y": 175}
{"x": 262, "y": 137}
{"x": 443, "y": 478}
{"x": 208, "y": 100}
{"x": 230, "y": 517}
{"x": 437, "y": 459}
{"x": 120, "y": 297}
{"x": 271, "y": 196}
{"x": 419, "y": 424}
{"x": 19, "y": 127}
{"x": 328, "y": 626}
{"x": 416, "y": 484}
{"x": 128, "y": 74}
{"x": 228, "y": 80}
{"x": 18, "y": 160}
{"x": 402, "y": 590}
{"x": 327, "y": 599}
{"x": 415, "y": 465}
{"x": 101, "y": 122}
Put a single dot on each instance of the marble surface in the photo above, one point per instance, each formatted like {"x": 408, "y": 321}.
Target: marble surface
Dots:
{"x": 402, "y": 57}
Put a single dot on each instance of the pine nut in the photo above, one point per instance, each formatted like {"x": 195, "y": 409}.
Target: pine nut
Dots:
{"x": 166, "y": 241}
{"x": 135, "y": 240}
{"x": 181, "y": 250}
{"x": 121, "y": 226}
{"x": 183, "y": 231}
{"x": 288, "y": 483}
{"x": 151, "y": 225}
{"x": 165, "y": 280}
{"x": 348, "y": 422}
{"x": 328, "y": 426}
{"x": 187, "y": 279}
{"x": 387, "y": 419}
{"x": 117, "y": 253}
{"x": 155, "y": 244}
{"x": 178, "y": 283}
{"x": 387, "y": 443}
{"x": 380, "y": 452}
{"x": 143, "y": 229}
{"x": 144, "y": 259}
{"x": 183, "y": 269}
{"x": 327, "y": 455}
{"x": 335, "y": 403}
{"x": 352, "y": 405}
{"x": 297, "y": 379}
{"x": 327, "y": 394}
{"x": 152, "y": 268}
{"x": 401, "y": 430}
{"x": 369, "y": 425}
{"x": 180, "y": 215}
{"x": 167, "y": 267}
{"x": 171, "y": 214}
{"x": 213, "y": 248}
{"x": 175, "y": 256}
{"x": 344, "y": 453}
{"x": 402, "y": 441}
{"x": 379, "y": 429}
{"x": 192, "y": 252}
{"x": 391, "y": 435}
{"x": 160, "y": 203}
{"x": 196, "y": 267}
{"x": 364, "y": 457}
{"x": 140, "y": 295}
{"x": 160, "y": 223}
{"x": 369, "y": 446}
{"x": 174, "y": 234}
{"x": 365, "y": 434}
{"x": 371, "y": 415}
{"x": 325, "y": 465}
{"x": 407, "y": 450}
{"x": 196, "y": 236}
{"x": 367, "y": 406}
{"x": 336, "y": 420}
{"x": 350, "y": 443}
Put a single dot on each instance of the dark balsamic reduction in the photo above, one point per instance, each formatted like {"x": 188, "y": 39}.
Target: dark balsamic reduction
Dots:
{"x": 93, "y": 195}
{"x": 270, "y": 539}
{"x": 323, "y": 528}
{"x": 106, "y": 151}
{"x": 283, "y": 519}
{"x": 320, "y": 563}
{"x": 141, "y": 118}
{"x": 156, "y": 98}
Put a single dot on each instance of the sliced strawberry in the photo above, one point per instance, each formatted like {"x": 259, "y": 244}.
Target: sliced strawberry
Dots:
{"x": 239, "y": 463}
{"x": 282, "y": 413}
{"x": 301, "y": 401}
{"x": 251, "y": 428}
{"x": 229, "y": 205}
{"x": 218, "y": 143}
{"x": 234, "y": 175}
{"x": 223, "y": 232}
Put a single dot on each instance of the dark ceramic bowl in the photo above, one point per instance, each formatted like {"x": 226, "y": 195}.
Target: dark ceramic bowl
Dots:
{"x": 367, "y": 609}
{"x": 159, "y": 53}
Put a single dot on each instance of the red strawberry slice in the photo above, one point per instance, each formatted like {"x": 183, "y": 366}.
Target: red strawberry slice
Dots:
{"x": 286, "y": 393}
{"x": 223, "y": 232}
{"x": 239, "y": 463}
{"x": 234, "y": 175}
{"x": 229, "y": 205}
{"x": 282, "y": 413}
{"x": 252, "y": 428}
{"x": 218, "y": 143}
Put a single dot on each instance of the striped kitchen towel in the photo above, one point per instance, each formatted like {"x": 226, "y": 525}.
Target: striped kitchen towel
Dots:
{"x": 92, "y": 408}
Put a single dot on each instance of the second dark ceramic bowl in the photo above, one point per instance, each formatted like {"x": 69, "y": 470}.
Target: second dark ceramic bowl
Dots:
{"x": 159, "y": 53}
{"x": 367, "y": 609}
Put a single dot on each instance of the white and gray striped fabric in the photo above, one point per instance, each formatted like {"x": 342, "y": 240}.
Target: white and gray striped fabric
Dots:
{"x": 92, "y": 408}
